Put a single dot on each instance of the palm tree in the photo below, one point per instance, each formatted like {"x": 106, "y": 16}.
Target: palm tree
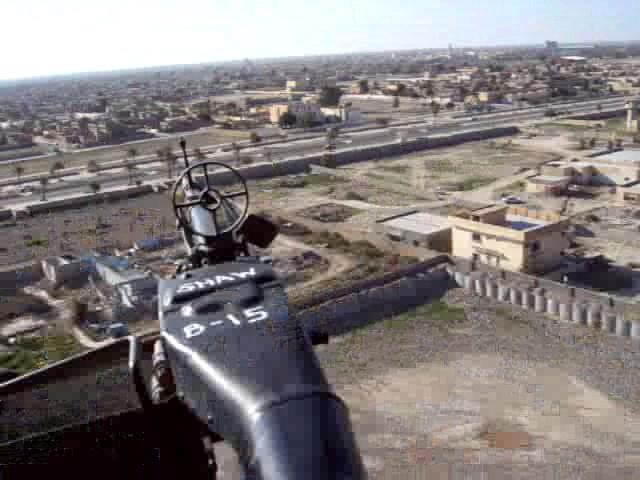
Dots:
{"x": 132, "y": 153}
{"x": 170, "y": 159}
{"x": 95, "y": 187}
{"x": 18, "y": 170}
{"x": 236, "y": 152}
{"x": 435, "y": 109}
{"x": 56, "y": 166}
{"x": 332, "y": 135}
{"x": 92, "y": 166}
{"x": 44, "y": 181}
{"x": 130, "y": 167}
{"x": 582, "y": 144}
{"x": 199, "y": 155}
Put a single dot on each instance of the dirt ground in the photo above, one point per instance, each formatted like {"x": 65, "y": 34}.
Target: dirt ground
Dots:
{"x": 464, "y": 167}
{"x": 472, "y": 390}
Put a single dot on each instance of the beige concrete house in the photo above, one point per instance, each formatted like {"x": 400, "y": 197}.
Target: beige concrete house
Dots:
{"x": 512, "y": 238}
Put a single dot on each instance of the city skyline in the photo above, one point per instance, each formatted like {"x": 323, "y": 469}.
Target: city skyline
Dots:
{"x": 147, "y": 35}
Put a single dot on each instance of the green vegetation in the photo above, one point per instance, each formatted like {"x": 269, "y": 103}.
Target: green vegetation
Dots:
{"x": 518, "y": 186}
{"x": 437, "y": 314}
{"x": 382, "y": 178}
{"x": 322, "y": 180}
{"x": 394, "y": 168}
{"x": 37, "y": 242}
{"x": 471, "y": 183}
{"x": 441, "y": 165}
{"x": 36, "y": 352}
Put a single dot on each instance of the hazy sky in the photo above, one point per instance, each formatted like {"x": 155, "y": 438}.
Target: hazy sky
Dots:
{"x": 44, "y": 37}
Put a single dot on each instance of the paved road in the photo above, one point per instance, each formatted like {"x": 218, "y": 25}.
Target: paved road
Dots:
{"x": 347, "y": 140}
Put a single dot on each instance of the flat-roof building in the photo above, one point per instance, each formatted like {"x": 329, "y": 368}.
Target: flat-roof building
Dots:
{"x": 419, "y": 229}
{"x": 512, "y": 238}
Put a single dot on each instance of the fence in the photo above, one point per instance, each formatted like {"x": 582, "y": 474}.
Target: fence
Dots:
{"x": 570, "y": 304}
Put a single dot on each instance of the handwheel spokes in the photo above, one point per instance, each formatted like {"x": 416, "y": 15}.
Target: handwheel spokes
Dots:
{"x": 239, "y": 193}
{"x": 206, "y": 175}
{"x": 188, "y": 204}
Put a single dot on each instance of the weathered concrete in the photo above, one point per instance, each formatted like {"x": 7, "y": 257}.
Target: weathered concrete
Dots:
{"x": 514, "y": 296}
{"x": 622, "y": 326}
{"x": 564, "y": 310}
{"x": 635, "y": 329}
{"x": 579, "y": 313}
{"x": 479, "y": 284}
{"x": 594, "y": 315}
{"x": 503, "y": 292}
{"x": 552, "y": 306}
{"x": 527, "y": 298}
{"x": 491, "y": 288}
{"x": 609, "y": 322}
{"x": 468, "y": 282}
{"x": 540, "y": 301}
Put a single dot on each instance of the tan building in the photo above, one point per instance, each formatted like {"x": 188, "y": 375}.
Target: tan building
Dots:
{"x": 299, "y": 84}
{"x": 299, "y": 109}
{"x": 617, "y": 168}
{"x": 629, "y": 196}
{"x": 511, "y": 238}
{"x": 548, "y": 184}
{"x": 419, "y": 229}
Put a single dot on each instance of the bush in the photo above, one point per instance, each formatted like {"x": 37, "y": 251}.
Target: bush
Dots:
{"x": 350, "y": 195}
{"x": 37, "y": 242}
{"x": 363, "y": 247}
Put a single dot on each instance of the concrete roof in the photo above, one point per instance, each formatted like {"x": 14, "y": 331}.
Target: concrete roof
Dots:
{"x": 635, "y": 188}
{"x": 519, "y": 222}
{"x": 623, "y": 156}
{"x": 420, "y": 222}
{"x": 550, "y": 179}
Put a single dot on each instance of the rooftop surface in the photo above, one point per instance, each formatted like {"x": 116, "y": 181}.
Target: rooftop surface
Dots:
{"x": 420, "y": 222}
{"x": 522, "y": 223}
{"x": 622, "y": 156}
{"x": 549, "y": 179}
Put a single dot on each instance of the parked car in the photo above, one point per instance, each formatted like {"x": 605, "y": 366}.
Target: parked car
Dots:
{"x": 513, "y": 200}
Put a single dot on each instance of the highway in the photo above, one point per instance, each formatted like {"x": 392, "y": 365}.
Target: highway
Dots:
{"x": 148, "y": 168}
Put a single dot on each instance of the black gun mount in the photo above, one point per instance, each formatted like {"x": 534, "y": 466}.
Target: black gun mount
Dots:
{"x": 231, "y": 363}
{"x": 239, "y": 362}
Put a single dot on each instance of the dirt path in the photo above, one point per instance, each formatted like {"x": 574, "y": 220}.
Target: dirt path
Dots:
{"x": 485, "y": 194}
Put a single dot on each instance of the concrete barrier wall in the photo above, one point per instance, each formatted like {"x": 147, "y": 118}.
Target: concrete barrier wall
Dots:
{"x": 90, "y": 199}
{"x": 408, "y": 271}
{"x": 371, "y": 305}
{"x": 302, "y": 164}
{"x": 574, "y": 305}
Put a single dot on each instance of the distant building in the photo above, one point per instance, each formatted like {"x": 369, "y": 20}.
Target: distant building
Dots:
{"x": 629, "y": 195}
{"x": 419, "y": 229}
{"x": 511, "y": 238}
{"x": 299, "y": 85}
{"x": 299, "y": 109}
{"x": 346, "y": 115}
{"x": 617, "y": 168}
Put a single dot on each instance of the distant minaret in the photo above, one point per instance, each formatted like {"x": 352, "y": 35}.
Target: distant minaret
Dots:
{"x": 632, "y": 109}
